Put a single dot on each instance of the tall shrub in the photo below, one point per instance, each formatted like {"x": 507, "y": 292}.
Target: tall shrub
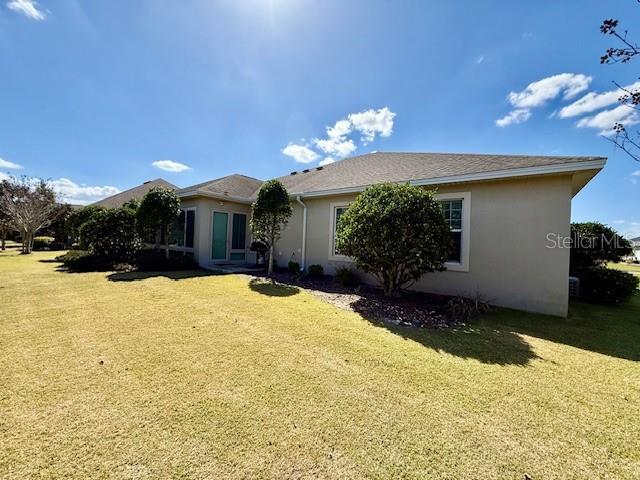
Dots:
{"x": 396, "y": 233}
{"x": 111, "y": 234}
{"x": 595, "y": 244}
{"x": 270, "y": 213}
{"x": 77, "y": 218}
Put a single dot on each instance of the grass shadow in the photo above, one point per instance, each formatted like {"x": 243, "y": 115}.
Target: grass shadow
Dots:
{"x": 272, "y": 289}
{"x": 476, "y": 340}
{"x": 172, "y": 275}
{"x": 612, "y": 330}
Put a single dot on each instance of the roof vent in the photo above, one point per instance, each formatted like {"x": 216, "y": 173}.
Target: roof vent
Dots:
{"x": 293, "y": 173}
{"x": 319, "y": 168}
{"x": 148, "y": 181}
{"x": 306, "y": 170}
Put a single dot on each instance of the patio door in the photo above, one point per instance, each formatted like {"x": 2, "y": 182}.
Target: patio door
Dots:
{"x": 220, "y": 225}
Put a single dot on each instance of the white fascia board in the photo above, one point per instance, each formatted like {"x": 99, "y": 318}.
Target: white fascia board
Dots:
{"x": 476, "y": 177}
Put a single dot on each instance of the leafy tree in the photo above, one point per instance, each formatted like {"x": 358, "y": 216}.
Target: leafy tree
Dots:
{"x": 111, "y": 234}
{"x": 594, "y": 244}
{"x": 30, "y": 205}
{"x": 157, "y": 210}
{"x": 270, "y": 213}
{"x": 57, "y": 229}
{"x": 396, "y": 233}
{"x": 627, "y": 50}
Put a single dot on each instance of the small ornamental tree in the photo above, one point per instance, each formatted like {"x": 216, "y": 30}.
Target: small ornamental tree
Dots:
{"x": 157, "y": 210}
{"x": 396, "y": 233}
{"x": 270, "y": 213}
{"x": 594, "y": 244}
{"x": 29, "y": 205}
{"x": 5, "y": 225}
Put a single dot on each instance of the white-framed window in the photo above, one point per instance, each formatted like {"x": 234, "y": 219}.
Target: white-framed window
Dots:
{"x": 183, "y": 229}
{"x": 337, "y": 209}
{"x": 456, "y": 208}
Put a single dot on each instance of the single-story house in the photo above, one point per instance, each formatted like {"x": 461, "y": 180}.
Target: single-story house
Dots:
{"x": 508, "y": 215}
{"x": 135, "y": 193}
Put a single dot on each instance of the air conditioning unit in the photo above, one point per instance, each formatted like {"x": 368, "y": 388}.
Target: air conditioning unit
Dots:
{"x": 574, "y": 286}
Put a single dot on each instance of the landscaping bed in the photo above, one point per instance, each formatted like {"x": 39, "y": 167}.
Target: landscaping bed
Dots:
{"x": 411, "y": 309}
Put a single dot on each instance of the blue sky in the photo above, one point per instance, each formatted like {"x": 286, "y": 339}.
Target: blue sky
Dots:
{"x": 94, "y": 93}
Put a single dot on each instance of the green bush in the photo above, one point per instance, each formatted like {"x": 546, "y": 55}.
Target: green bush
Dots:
{"x": 594, "y": 244}
{"x": 605, "y": 285}
{"x": 294, "y": 267}
{"x": 112, "y": 234}
{"x": 155, "y": 261}
{"x": 315, "y": 271}
{"x": 83, "y": 261}
{"x": 396, "y": 233}
{"x": 43, "y": 243}
{"x": 346, "y": 277}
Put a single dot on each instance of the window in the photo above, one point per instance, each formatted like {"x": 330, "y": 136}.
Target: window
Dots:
{"x": 337, "y": 210}
{"x": 183, "y": 229}
{"x": 452, "y": 210}
{"x": 239, "y": 231}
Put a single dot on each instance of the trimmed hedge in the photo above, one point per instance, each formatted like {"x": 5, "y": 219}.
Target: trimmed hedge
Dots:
{"x": 154, "y": 261}
{"x": 315, "y": 271}
{"x": 83, "y": 261}
{"x": 605, "y": 285}
{"x": 46, "y": 243}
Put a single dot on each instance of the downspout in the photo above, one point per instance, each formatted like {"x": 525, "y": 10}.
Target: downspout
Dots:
{"x": 304, "y": 233}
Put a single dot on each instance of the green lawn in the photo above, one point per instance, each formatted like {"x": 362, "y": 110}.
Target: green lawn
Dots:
{"x": 200, "y": 376}
{"x": 627, "y": 267}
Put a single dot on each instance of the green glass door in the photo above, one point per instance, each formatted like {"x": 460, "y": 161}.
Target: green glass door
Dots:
{"x": 219, "y": 236}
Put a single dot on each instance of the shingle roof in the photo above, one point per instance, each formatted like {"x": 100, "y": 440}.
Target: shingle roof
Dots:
{"x": 239, "y": 186}
{"x": 372, "y": 168}
{"x": 138, "y": 192}
{"x": 380, "y": 167}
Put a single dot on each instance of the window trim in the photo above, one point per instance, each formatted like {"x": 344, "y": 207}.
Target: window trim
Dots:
{"x": 184, "y": 233}
{"x": 465, "y": 238}
{"x": 332, "y": 233}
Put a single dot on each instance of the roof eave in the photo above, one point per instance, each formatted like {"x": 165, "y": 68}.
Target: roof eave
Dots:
{"x": 217, "y": 196}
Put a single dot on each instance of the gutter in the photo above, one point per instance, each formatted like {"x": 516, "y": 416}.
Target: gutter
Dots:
{"x": 304, "y": 232}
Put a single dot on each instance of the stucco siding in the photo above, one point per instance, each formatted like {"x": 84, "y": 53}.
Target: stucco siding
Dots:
{"x": 202, "y": 235}
{"x": 509, "y": 262}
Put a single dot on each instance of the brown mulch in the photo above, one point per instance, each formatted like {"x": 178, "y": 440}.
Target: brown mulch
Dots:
{"x": 414, "y": 309}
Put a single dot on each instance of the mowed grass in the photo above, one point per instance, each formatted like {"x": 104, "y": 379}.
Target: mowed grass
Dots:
{"x": 626, "y": 267}
{"x": 201, "y": 376}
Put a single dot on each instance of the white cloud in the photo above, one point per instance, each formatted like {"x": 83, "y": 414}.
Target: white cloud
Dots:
{"x": 539, "y": 93}
{"x": 480, "y": 59}
{"x": 636, "y": 173}
{"x": 619, "y": 221}
{"x": 337, "y": 142}
{"x": 515, "y": 116}
{"x": 3, "y": 176}
{"x": 170, "y": 166}
{"x": 605, "y": 120}
{"x": 28, "y": 8}
{"x": 300, "y": 153}
{"x": 326, "y": 161}
{"x": 7, "y": 164}
{"x": 594, "y": 101}
{"x": 71, "y": 192}
{"x": 372, "y": 122}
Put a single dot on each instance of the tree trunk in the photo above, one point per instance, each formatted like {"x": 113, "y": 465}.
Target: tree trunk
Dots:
{"x": 3, "y": 243}
{"x": 158, "y": 235}
{"x": 270, "y": 268}
{"x": 166, "y": 242}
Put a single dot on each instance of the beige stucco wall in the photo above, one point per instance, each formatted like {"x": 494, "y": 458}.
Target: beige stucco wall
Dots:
{"x": 202, "y": 235}
{"x": 509, "y": 262}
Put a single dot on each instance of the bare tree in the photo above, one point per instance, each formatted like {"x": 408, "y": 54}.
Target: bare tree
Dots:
{"x": 29, "y": 205}
{"x": 627, "y": 141}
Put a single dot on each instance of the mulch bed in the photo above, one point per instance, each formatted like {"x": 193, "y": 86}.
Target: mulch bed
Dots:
{"x": 414, "y": 309}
